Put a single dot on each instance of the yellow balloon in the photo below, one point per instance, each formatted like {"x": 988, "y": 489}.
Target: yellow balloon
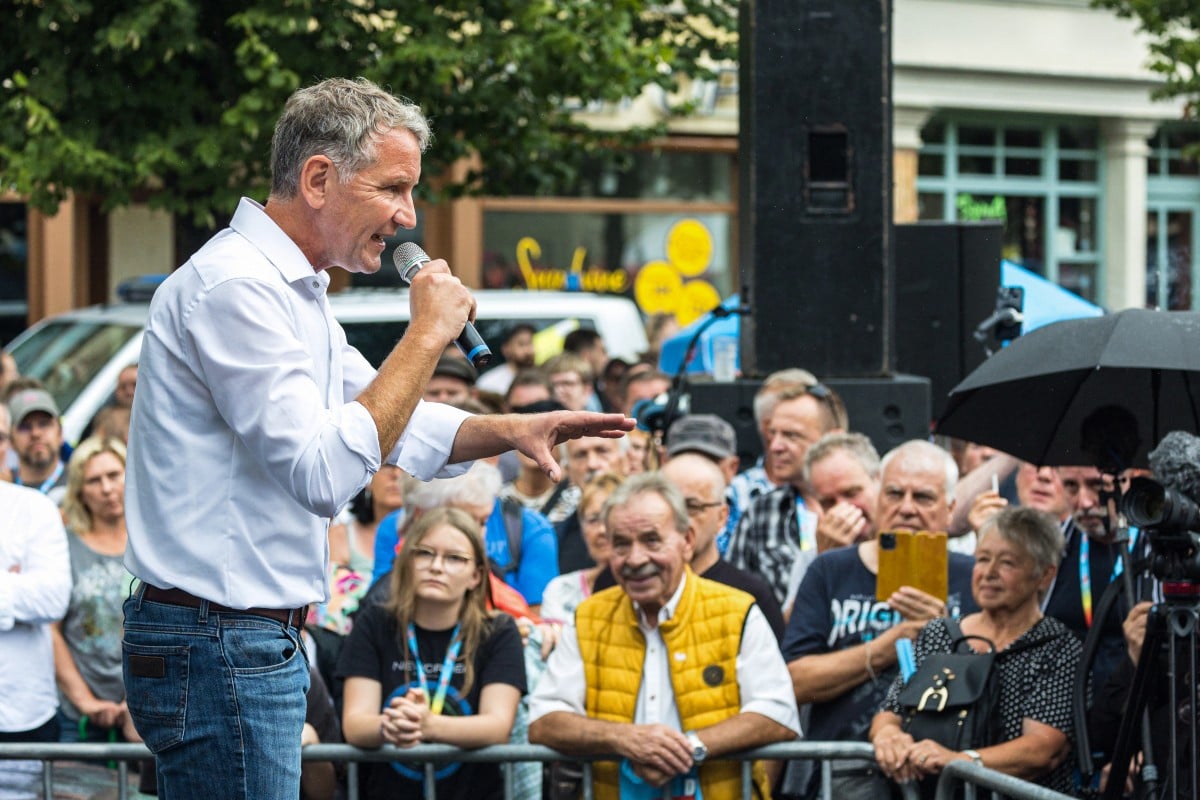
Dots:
{"x": 698, "y": 298}
{"x": 657, "y": 288}
{"x": 689, "y": 247}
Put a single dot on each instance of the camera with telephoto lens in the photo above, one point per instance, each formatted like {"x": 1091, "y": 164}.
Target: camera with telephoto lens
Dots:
{"x": 1172, "y": 521}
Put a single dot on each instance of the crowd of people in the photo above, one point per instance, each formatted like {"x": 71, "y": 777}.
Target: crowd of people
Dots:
{"x": 500, "y": 557}
{"x": 569, "y": 612}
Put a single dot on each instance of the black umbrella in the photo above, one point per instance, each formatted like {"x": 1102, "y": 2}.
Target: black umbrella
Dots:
{"x": 1099, "y": 391}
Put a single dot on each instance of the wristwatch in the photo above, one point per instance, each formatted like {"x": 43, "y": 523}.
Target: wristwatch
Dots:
{"x": 974, "y": 755}
{"x": 699, "y": 748}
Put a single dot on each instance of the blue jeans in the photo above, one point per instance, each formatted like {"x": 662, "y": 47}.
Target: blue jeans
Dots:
{"x": 219, "y": 699}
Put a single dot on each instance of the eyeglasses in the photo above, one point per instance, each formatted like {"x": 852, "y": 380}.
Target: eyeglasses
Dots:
{"x": 452, "y": 563}
{"x": 698, "y": 507}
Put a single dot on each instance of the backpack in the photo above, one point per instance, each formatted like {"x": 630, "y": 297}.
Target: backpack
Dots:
{"x": 954, "y": 697}
{"x": 514, "y": 529}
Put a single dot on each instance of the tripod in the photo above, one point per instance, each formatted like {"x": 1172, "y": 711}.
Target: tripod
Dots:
{"x": 1172, "y": 627}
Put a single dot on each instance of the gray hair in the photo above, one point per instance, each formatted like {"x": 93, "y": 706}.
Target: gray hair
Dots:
{"x": 478, "y": 486}
{"x": 918, "y": 453}
{"x": 338, "y": 118}
{"x": 1031, "y": 530}
{"x": 855, "y": 445}
{"x": 768, "y": 394}
{"x": 649, "y": 483}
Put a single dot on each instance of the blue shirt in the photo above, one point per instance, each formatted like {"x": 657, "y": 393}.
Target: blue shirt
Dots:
{"x": 539, "y": 550}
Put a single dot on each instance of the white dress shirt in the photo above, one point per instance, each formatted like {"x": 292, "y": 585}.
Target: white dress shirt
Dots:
{"x": 764, "y": 684}
{"x": 35, "y": 586}
{"x": 245, "y": 437}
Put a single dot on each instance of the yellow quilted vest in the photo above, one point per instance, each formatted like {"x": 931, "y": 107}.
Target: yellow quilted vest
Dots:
{"x": 702, "y": 641}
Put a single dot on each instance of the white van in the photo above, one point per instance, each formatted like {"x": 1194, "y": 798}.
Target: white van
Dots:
{"x": 77, "y": 355}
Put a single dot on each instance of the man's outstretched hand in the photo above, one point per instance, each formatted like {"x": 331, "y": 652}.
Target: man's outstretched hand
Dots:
{"x": 536, "y": 435}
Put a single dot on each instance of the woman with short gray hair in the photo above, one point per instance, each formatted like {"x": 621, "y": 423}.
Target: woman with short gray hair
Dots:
{"x": 1016, "y": 561}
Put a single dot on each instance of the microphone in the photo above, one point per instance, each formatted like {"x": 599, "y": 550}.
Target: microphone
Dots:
{"x": 1176, "y": 463}
{"x": 409, "y": 259}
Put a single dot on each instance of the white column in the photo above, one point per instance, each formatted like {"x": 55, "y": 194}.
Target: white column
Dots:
{"x": 907, "y": 122}
{"x": 1123, "y": 284}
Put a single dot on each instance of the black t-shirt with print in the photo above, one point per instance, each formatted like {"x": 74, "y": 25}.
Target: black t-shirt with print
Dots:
{"x": 373, "y": 651}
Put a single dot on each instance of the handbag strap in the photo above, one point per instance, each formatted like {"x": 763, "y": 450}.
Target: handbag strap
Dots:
{"x": 957, "y": 637}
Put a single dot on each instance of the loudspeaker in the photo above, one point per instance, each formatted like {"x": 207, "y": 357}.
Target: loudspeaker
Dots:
{"x": 815, "y": 208}
{"x": 946, "y": 279}
{"x": 889, "y": 411}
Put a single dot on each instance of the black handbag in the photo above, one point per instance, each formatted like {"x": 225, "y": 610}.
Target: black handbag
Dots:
{"x": 953, "y": 697}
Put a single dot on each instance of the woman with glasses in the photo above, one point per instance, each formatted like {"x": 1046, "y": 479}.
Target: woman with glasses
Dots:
{"x": 431, "y": 664}
{"x": 565, "y": 592}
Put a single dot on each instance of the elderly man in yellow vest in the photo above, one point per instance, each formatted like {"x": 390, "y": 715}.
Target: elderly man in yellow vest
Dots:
{"x": 667, "y": 670}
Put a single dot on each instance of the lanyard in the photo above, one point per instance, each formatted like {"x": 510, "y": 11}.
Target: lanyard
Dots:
{"x": 1085, "y": 576}
{"x": 806, "y": 525}
{"x": 47, "y": 484}
{"x": 438, "y": 700}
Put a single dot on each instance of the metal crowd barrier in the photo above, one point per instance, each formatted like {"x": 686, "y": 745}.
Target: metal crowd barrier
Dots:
{"x": 973, "y": 775}
{"x": 508, "y": 755}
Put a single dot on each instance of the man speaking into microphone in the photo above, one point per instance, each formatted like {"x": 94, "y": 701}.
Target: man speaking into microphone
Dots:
{"x": 255, "y": 421}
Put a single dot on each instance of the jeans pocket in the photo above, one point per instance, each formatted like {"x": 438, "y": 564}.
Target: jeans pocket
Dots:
{"x": 156, "y": 685}
{"x": 256, "y": 648}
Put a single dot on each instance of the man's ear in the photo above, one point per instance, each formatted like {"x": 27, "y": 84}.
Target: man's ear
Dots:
{"x": 316, "y": 179}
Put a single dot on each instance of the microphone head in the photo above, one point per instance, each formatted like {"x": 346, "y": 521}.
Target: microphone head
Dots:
{"x": 1176, "y": 463}
{"x": 408, "y": 257}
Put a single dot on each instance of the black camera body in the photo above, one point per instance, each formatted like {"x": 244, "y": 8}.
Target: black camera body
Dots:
{"x": 1171, "y": 521}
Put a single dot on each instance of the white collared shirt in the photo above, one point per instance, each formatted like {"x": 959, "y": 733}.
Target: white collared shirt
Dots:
{"x": 245, "y": 437}
{"x": 35, "y": 586}
{"x": 764, "y": 685}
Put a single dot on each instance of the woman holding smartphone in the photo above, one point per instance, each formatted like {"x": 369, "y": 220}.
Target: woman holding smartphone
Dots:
{"x": 432, "y": 665}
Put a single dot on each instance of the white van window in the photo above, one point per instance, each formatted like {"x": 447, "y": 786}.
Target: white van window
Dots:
{"x": 65, "y": 356}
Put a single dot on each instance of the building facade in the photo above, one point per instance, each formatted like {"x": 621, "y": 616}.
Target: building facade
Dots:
{"x": 1038, "y": 113}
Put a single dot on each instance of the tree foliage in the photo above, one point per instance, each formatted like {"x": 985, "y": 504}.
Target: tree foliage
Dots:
{"x": 1173, "y": 27}
{"x": 173, "y": 101}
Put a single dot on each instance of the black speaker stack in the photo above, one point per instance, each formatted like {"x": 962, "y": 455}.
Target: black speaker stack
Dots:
{"x": 883, "y": 313}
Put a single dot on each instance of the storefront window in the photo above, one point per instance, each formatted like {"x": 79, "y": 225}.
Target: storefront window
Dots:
{"x": 1172, "y": 219}
{"x": 659, "y": 230}
{"x": 1041, "y": 180}
{"x": 688, "y": 177}
{"x": 608, "y": 252}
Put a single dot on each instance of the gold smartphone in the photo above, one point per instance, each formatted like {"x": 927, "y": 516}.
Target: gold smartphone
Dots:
{"x": 913, "y": 558}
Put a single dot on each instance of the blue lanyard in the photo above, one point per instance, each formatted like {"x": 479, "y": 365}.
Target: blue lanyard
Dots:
{"x": 438, "y": 700}
{"x": 47, "y": 484}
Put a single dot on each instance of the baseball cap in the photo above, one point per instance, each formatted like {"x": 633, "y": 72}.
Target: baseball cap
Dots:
{"x": 453, "y": 367}
{"x": 26, "y": 401}
{"x": 703, "y": 433}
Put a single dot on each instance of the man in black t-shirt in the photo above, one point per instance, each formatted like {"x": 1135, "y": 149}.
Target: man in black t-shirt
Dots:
{"x": 840, "y": 642}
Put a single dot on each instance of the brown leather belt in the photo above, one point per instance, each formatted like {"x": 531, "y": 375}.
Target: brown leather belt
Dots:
{"x": 178, "y": 597}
